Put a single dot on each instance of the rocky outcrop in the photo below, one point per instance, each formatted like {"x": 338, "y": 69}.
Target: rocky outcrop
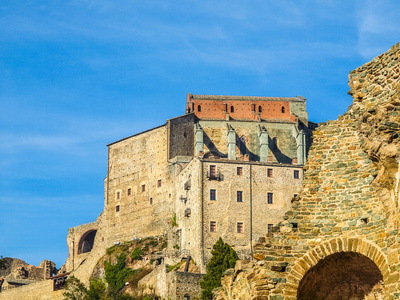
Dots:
{"x": 345, "y": 221}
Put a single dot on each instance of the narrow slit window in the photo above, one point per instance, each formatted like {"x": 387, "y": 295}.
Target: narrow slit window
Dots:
{"x": 283, "y": 109}
{"x": 270, "y": 198}
{"x": 213, "y": 226}
{"x": 199, "y": 108}
{"x": 118, "y": 195}
{"x": 259, "y": 109}
{"x": 296, "y": 174}
{"x": 239, "y": 171}
{"x": 269, "y": 173}
{"x": 239, "y": 196}
{"x": 232, "y": 109}
{"x": 129, "y": 192}
{"x": 151, "y": 201}
{"x": 117, "y": 208}
{"x": 239, "y": 227}
{"x": 213, "y": 195}
{"x": 143, "y": 188}
{"x": 159, "y": 183}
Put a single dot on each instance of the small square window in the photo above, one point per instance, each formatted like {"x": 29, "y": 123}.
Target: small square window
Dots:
{"x": 213, "y": 194}
{"x": 239, "y": 171}
{"x": 270, "y": 198}
{"x": 118, "y": 195}
{"x": 159, "y": 183}
{"x": 239, "y": 196}
{"x": 117, "y": 208}
{"x": 143, "y": 188}
{"x": 270, "y": 227}
{"x": 129, "y": 192}
{"x": 296, "y": 174}
{"x": 213, "y": 226}
{"x": 239, "y": 227}
{"x": 269, "y": 173}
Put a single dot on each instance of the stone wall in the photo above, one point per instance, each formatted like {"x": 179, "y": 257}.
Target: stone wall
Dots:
{"x": 348, "y": 210}
{"x": 42, "y": 290}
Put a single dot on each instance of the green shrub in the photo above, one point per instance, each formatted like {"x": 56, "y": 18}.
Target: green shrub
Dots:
{"x": 223, "y": 258}
{"x": 116, "y": 275}
{"x": 74, "y": 289}
{"x": 96, "y": 290}
{"x": 137, "y": 254}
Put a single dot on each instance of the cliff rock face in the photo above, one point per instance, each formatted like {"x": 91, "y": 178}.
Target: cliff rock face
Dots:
{"x": 341, "y": 237}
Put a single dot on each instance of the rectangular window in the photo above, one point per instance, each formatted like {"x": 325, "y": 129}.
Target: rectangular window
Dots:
{"x": 159, "y": 183}
{"x": 296, "y": 174}
{"x": 270, "y": 227}
{"x": 143, "y": 188}
{"x": 117, "y": 208}
{"x": 239, "y": 227}
{"x": 213, "y": 226}
{"x": 239, "y": 196}
{"x": 118, "y": 195}
{"x": 213, "y": 171}
{"x": 129, "y": 192}
{"x": 239, "y": 171}
{"x": 270, "y": 198}
{"x": 213, "y": 194}
{"x": 269, "y": 173}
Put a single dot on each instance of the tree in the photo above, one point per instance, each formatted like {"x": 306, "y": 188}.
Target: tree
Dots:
{"x": 223, "y": 258}
{"x": 75, "y": 289}
{"x": 97, "y": 290}
{"x": 116, "y": 275}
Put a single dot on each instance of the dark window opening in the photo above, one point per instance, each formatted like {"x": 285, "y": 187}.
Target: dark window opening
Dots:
{"x": 117, "y": 208}
{"x": 129, "y": 192}
{"x": 213, "y": 226}
{"x": 225, "y": 107}
{"x": 199, "y": 108}
{"x": 87, "y": 241}
{"x": 259, "y": 109}
{"x": 253, "y": 108}
{"x": 143, "y": 188}
{"x": 296, "y": 174}
{"x": 232, "y": 109}
{"x": 270, "y": 198}
{"x": 184, "y": 134}
{"x": 213, "y": 171}
{"x": 239, "y": 196}
{"x": 364, "y": 220}
{"x": 283, "y": 109}
{"x": 118, "y": 195}
{"x": 294, "y": 227}
{"x": 269, "y": 173}
{"x": 239, "y": 171}
{"x": 274, "y": 143}
{"x": 151, "y": 201}
{"x": 213, "y": 195}
{"x": 242, "y": 146}
{"x": 159, "y": 183}
{"x": 239, "y": 228}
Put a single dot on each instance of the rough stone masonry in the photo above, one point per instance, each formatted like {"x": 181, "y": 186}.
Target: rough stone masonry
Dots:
{"x": 340, "y": 240}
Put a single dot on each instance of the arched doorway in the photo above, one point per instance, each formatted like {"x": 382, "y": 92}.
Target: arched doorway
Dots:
{"x": 87, "y": 241}
{"x": 342, "y": 275}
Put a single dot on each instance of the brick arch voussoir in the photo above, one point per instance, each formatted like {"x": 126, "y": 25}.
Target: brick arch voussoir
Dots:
{"x": 332, "y": 246}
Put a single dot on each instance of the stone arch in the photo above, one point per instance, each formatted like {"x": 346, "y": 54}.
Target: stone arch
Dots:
{"x": 334, "y": 246}
{"x": 86, "y": 242}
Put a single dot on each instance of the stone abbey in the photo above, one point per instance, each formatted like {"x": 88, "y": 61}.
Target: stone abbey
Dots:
{"x": 228, "y": 167}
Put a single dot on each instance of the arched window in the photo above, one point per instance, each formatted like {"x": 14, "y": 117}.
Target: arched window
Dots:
{"x": 283, "y": 109}
{"x": 87, "y": 241}
{"x": 232, "y": 109}
{"x": 242, "y": 145}
{"x": 274, "y": 143}
{"x": 259, "y": 109}
{"x": 199, "y": 108}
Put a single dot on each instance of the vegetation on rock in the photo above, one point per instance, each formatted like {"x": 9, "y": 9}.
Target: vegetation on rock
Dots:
{"x": 223, "y": 258}
{"x": 2, "y": 263}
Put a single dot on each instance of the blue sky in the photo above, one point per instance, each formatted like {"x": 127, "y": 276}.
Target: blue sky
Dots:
{"x": 77, "y": 75}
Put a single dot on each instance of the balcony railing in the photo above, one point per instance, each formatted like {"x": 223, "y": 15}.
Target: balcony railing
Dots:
{"x": 214, "y": 176}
